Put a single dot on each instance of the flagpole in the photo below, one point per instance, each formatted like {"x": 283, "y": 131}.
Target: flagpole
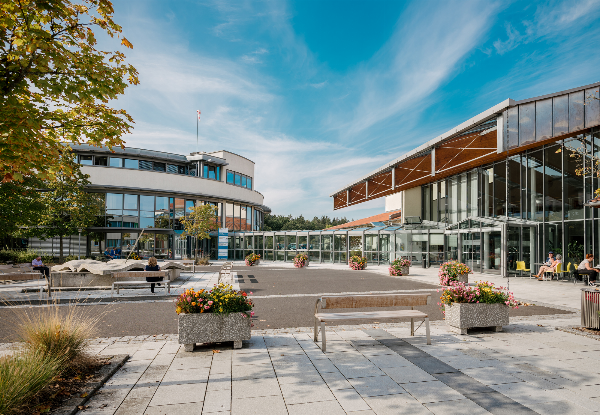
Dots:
{"x": 197, "y": 122}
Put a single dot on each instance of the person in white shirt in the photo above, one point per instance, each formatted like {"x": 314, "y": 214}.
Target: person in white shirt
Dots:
{"x": 38, "y": 265}
{"x": 548, "y": 268}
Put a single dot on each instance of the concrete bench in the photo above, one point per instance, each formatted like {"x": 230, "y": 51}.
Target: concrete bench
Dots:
{"x": 225, "y": 273}
{"x": 22, "y": 277}
{"x": 136, "y": 278}
{"x": 365, "y": 301}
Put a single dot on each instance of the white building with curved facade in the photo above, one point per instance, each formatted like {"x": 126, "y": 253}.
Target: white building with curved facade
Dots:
{"x": 153, "y": 191}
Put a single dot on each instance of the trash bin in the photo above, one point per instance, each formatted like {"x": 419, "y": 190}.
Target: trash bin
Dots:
{"x": 425, "y": 265}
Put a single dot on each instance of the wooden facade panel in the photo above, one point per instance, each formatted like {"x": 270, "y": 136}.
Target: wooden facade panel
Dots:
{"x": 358, "y": 193}
{"x": 417, "y": 168}
{"x": 339, "y": 201}
{"x": 380, "y": 183}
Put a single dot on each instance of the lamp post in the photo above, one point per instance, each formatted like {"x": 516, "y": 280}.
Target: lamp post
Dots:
{"x": 79, "y": 245}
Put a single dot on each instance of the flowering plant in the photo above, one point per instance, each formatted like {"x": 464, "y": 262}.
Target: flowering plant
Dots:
{"x": 397, "y": 265}
{"x": 357, "y": 262}
{"x": 222, "y": 299}
{"x": 300, "y": 260}
{"x": 252, "y": 258}
{"x": 449, "y": 271}
{"x": 481, "y": 292}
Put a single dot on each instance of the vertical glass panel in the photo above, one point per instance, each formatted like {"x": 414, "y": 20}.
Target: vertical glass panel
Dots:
{"x": 426, "y": 190}
{"x": 453, "y": 200}
{"x": 473, "y": 194}
{"x": 592, "y": 107}
{"x": 162, "y": 204}
{"x": 436, "y": 248}
{"x": 384, "y": 242}
{"x": 499, "y": 189}
{"x": 179, "y": 208}
{"x": 290, "y": 242}
{"x": 160, "y": 166}
{"x": 512, "y": 127}
{"x": 553, "y": 235}
{"x": 249, "y": 219}
{"x": 560, "y": 115}
{"x": 553, "y": 177}
{"x": 243, "y": 181}
{"x": 302, "y": 242}
{"x": 442, "y": 202}
{"x": 573, "y": 186}
{"x": 514, "y": 187}
{"x": 576, "y": 111}
{"x": 249, "y": 183}
{"x": 230, "y": 177}
{"x": 526, "y": 123}
{"x": 315, "y": 242}
{"x": 116, "y": 162}
{"x": 340, "y": 242}
{"x": 114, "y": 201}
{"x": 487, "y": 190}
{"x": 238, "y": 179}
{"x": 574, "y": 238}
{"x": 327, "y": 242}
{"x": 86, "y": 160}
{"x": 435, "y": 214}
{"x": 130, "y": 202}
{"x": 147, "y": 203}
{"x": 131, "y": 164}
{"x": 535, "y": 183}
{"x": 402, "y": 242}
{"x": 268, "y": 242}
{"x": 371, "y": 242}
{"x": 543, "y": 119}
{"x": 462, "y": 199}
{"x": 189, "y": 204}
{"x": 100, "y": 161}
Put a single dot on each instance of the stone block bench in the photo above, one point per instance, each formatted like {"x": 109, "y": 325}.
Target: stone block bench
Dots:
{"x": 136, "y": 278}
{"x": 21, "y": 278}
{"x": 364, "y": 301}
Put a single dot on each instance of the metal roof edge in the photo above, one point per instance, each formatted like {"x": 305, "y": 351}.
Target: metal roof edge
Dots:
{"x": 556, "y": 94}
{"x": 481, "y": 117}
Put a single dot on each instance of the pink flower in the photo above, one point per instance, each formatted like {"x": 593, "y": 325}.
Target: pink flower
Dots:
{"x": 210, "y": 303}
{"x": 206, "y": 307}
{"x": 252, "y": 314}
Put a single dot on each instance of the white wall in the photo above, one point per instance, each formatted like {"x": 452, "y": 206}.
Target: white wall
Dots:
{"x": 168, "y": 182}
{"x": 393, "y": 202}
{"x": 412, "y": 202}
{"x": 237, "y": 163}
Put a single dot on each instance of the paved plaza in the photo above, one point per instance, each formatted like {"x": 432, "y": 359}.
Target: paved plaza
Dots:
{"x": 533, "y": 366}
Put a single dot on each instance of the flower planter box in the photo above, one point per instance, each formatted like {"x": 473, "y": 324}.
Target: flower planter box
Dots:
{"x": 463, "y": 278}
{"x": 304, "y": 266}
{"x": 404, "y": 270}
{"x": 464, "y": 316}
{"x": 211, "y": 328}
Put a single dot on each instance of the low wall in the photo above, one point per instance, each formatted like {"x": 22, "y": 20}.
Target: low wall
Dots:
{"x": 87, "y": 279}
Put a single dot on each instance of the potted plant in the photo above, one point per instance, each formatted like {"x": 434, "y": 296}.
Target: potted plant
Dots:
{"x": 399, "y": 267}
{"x": 217, "y": 315}
{"x": 252, "y": 259}
{"x": 482, "y": 305}
{"x": 453, "y": 271}
{"x": 301, "y": 260}
{"x": 357, "y": 262}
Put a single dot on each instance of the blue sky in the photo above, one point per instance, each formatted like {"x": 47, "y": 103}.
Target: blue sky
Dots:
{"x": 319, "y": 93}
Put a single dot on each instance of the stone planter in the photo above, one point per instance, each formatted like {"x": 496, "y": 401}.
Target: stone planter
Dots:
{"x": 404, "y": 270}
{"x": 464, "y": 316}
{"x": 305, "y": 265}
{"x": 211, "y": 328}
{"x": 463, "y": 278}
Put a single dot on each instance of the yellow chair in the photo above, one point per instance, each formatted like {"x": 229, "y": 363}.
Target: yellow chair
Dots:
{"x": 560, "y": 271}
{"x": 521, "y": 267}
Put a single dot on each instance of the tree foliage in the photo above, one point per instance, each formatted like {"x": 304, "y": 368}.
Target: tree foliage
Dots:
{"x": 55, "y": 85}
{"x": 289, "y": 223}
{"x": 199, "y": 221}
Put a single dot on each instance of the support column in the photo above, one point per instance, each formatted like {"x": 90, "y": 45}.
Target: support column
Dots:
{"x": 393, "y": 178}
{"x": 366, "y": 189}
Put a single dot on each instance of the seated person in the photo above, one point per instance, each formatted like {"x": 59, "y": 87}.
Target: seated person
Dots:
{"x": 586, "y": 268}
{"x": 38, "y": 265}
{"x": 118, "y": 253}
{"x": 107, "y": 253}
{"x": 549, "y": 268}
{"x": 153, "y": 266}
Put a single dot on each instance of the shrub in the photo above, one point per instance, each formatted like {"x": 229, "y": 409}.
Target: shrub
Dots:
{"x": 252, "y": 259}
{"x": 22, "y": 375}
{"x": 482, "y": 292}
{"x": 449, "y": 271}
{"x": 357, "y": 262}
{"x": 56, "y": 334}
{"x": 222, "y": 299}
{"x": 300, "y": 260}
{"x": 22, "y": 256}
{"x": 356, "y": 253}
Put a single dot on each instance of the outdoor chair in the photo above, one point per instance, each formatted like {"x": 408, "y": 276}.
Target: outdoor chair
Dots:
{"x": 561, "y": 272}
{"x": 521, "y": 266}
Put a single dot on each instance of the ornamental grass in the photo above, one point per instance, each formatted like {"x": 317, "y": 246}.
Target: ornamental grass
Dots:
{"x": 222, "y": 299}
{"x": 23, "y": 375}
{"x": 56, "y": 334}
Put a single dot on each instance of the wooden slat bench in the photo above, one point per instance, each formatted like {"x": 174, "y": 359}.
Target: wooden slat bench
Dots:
{"x": 133, "y": 278}
{"x": 365, "y": 301}
{"x": 26, "y": 276}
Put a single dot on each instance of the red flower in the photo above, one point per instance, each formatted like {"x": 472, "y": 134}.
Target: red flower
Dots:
{"x": 244, "y": 294}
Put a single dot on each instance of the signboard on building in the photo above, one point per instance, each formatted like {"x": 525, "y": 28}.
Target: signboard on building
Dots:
{"x": 223, "y": 243}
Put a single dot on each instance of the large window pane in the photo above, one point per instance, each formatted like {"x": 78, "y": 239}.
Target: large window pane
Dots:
{"x": 543, "y": 119}
{"x": 230, "y": 177}
{"x": 147, "y": 203}
{"x": 229, "y": 216}
{"x": 592, "y": 107}
{"x": 573, "y": 190}
{"x": 179, "y": 208}
{"x": 512, "y": 127}
{"x": 499, "y": 189}
{"x": 238, "y": 179}
{"x": 526, "y": 123}
{"x": 553, "y": 177}
{"x": 371, "y": 242}
{"x": 514, "y": 187}
{"x": 162, "y": 203}
{"x": 86, "y": 160}
{"x": 130, "y": 202}
{"x": 114, "y": 201}
{"x": 249, "y": 183}
{"x": 576, "y": 106}
{"x": 116, "y": 162}
{"x": 560, "y": 115}
{"x": 535, "y": 183}
{"x": 131, "y": 164}
{"x": 189, "y": 204}
{"x": 487, "y": 191}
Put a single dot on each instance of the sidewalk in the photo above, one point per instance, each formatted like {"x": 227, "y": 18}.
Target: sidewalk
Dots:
{"x": 368, "y": 369}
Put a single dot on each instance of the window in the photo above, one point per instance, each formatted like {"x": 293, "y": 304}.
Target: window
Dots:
{"x": 160, "y": 166}
{"x": 230, "y": 176}
{"x": 147, "y": 203}
{"x": 114, "y": 201}
{"x": 100, "y": 161}
{"x": 86, "y": 160}
{"x": 116, "y": 162}
{"x": 181, "y": 169}
{"x": 238, "y": 179}
{"x": 131, "y": 164}
{"x": 243, "y": 181}
{"x": 131, "y": 202}
{"x": 249, "y": 183}
{"x": 211, "y": 172}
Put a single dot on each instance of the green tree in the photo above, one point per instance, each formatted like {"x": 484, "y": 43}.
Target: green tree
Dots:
{"x": 198, "y": 223}
{"x": 289, "y": 223}
{"x": 21, "y": 204}
{"x": 67, "y": 207}
{"x": 55, "y": 85}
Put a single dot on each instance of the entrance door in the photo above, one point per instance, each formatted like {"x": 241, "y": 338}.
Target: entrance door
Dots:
{"x": 492, "y": 251}
{"x": 471, "y": 250}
